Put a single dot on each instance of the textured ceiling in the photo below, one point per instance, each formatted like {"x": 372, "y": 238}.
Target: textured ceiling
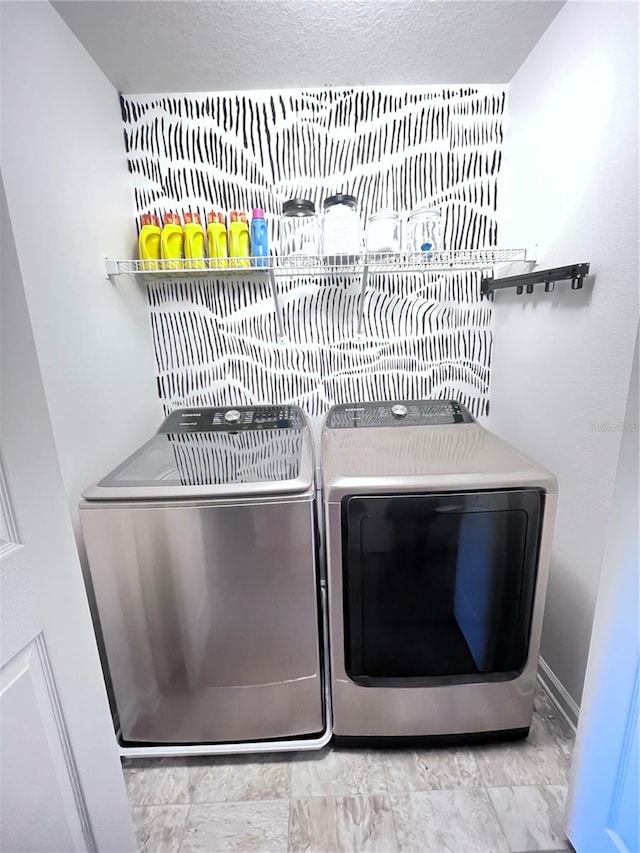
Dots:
{"x": 218, "y": 45}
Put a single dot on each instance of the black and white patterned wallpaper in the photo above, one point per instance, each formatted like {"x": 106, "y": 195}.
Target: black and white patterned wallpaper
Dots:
{"x": 425, "y": 335}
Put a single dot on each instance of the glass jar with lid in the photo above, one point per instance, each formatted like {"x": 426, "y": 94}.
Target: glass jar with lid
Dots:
{"x": 341, "y": 228}
{"x": 299, "y": 232}
{"x": 424, "y": 230}
{"x": 383, "y": 232}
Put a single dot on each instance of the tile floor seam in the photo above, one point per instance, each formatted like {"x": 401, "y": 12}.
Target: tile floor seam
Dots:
{"x": 289, "y": 826}
{"x": 184, "y": 829}
{"x": 393, "y": 823}
{"x": 352, "y": 796}
{"x": 481, "y": 769}
{"x": 232, "y": 800}
{"x": 549, "y": 850}
{"x": 539, "y": 785}
{"x": 335, "y": 797}
{"x": 482, "y": 784}
{"x": 495, "y": 811}
{"x": 386, "y": 777}
{"x": 483, "y": 781}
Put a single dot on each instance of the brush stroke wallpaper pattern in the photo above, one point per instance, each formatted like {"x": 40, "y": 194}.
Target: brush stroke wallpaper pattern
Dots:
{"x": 425, "y": 335}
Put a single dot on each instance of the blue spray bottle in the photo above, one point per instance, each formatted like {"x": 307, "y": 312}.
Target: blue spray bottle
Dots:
{"x": 259, "y": 238}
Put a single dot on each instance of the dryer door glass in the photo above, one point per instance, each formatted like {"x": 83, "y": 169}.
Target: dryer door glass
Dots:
{"x": 439, "y": 586}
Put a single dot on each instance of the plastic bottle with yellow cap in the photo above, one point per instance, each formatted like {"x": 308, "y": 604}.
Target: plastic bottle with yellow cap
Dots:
{"x": 217, "y": 240}
{"x": 149, "y": 241}
{"x": 171, "y": 242}
{"x": 193, "y": 241}
{"x": 239, "y": 243}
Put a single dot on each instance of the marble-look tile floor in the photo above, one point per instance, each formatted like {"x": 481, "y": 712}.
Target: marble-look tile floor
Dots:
{"x": 485, "y": 799}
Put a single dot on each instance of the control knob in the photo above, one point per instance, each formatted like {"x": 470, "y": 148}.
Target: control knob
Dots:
{"x": 232, "y": 416}
{"x": 399, "y": 411}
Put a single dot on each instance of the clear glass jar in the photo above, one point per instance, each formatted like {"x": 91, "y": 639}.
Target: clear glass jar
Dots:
{"x": 424, "y": 230}
{"x": 299, "y": 232}
{"x": 383, "y": 232}
{"x": 341, "y": 228}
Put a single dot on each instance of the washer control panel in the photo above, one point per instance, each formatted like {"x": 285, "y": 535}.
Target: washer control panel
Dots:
{"x": 401, "y": 413}
{"x": 233, "y": 419}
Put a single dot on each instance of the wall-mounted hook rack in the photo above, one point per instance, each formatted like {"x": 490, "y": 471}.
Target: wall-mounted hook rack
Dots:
{"x": 575, "y": 273}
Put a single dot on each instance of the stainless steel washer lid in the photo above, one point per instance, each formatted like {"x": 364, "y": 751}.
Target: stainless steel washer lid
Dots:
{"x": 422, "y": 445}
{"x": 217, "y": 453}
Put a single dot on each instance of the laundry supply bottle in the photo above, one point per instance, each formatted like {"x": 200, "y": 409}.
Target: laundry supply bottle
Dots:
{"x": 171, "y": 242}
{"x": 193, "y": 241}
{"x": 217, "y": 240}
{"x": 239, "y": 239}
{"x": 259, "y": 238}
{"x": 149, "y": 241}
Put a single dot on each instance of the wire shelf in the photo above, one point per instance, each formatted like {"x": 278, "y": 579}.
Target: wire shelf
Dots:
{"x": 359, "y": 266}
{"x": 373, "y": 263}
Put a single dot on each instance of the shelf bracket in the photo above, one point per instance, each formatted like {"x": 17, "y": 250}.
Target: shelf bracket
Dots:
{"x": 363, "y": 290}
{"x": 575, "y": 273}
{"x": 277, "y": 306}
{"x": 110, "y": 267}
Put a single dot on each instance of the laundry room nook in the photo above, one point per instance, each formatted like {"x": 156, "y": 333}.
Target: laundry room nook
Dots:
{"x": 319, "y": 426}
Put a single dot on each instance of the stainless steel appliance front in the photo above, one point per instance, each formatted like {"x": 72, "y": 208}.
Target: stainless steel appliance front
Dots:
{"x": 430, "y": 521}
{"x": 208, "y": 607}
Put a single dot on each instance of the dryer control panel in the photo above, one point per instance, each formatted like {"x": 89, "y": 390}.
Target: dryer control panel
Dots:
{"x": 243, "y": 418}
{"x": 399, "y": 413}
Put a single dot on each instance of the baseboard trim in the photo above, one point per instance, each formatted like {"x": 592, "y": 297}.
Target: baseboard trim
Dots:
{"x": 560, "y": 698}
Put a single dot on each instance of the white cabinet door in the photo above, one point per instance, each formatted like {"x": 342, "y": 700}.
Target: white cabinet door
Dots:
{"x": 61, "y": 783}
{"x": 604, "y": 801}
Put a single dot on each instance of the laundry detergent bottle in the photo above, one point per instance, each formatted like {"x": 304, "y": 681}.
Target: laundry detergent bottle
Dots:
{"x": 193, "y": 241}
{"x": 259, "y": 238}
{"x": 171, "y": 242}
{"x": 217, "y": 239}
{"x": 149, "y": 241}
{"x": 239, "y": 239}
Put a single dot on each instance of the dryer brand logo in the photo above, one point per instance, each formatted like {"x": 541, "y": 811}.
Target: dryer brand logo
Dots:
{"x": 425, "y": 336}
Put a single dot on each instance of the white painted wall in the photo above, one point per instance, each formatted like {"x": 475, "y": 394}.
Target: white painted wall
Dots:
{"x": 64, "y": 168}
{"x": 562, "y": 361}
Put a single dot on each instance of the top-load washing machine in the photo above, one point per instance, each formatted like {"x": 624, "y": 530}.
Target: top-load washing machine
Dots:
{"x": 438, "y": 544}
{"x": 202, "y": 557}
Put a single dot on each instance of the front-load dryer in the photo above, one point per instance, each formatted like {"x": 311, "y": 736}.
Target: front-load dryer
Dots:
{"x": 202, "y": 556}
{"x": 438, "y": 543}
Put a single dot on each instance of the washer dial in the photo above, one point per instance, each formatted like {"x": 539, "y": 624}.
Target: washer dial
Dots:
{"x": 399, "y": 411}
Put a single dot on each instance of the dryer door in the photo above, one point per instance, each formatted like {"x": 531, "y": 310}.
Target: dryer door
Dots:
{"x": 439, "y": 588}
